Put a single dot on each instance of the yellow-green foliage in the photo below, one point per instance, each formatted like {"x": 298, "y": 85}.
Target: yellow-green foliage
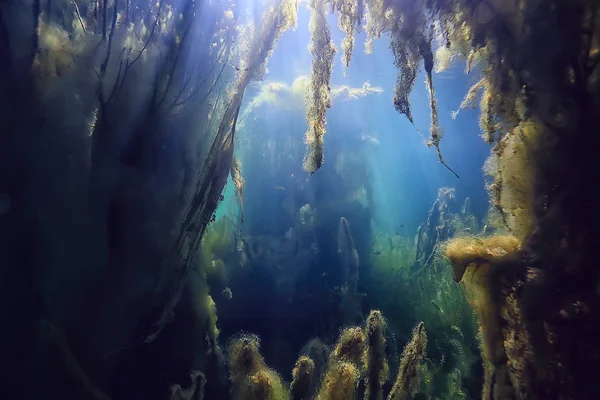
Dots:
{"x": 480, "y": 261}
{"x": 56, "y": 53}
{"x": 204, "y": 307}
{"x": 465, "y": 250}
{"x": 218, "y": 254}
{"x": 215, "y": 271}
{"x": 374, "y": 360}
{"x": 443, "y": 307}
{"x": 476, "y": 284}
{"x": 344, "y": 366}
{"x": 350, "y": 346}
{"x": 302, "y": 375}
{"x": 457, "y": 42}
{"x": 251, "y": 379}
{"x": 407, "y": 380}
{"x": 211, "y": 308}
{"x": 266, "y": 385}
{"x": 340, "y": 382}
{"x": 319, "y": 91}
{"x": 244, "y": 358}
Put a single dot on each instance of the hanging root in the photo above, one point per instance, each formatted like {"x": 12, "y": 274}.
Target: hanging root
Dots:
{"x": 319, "y": 90}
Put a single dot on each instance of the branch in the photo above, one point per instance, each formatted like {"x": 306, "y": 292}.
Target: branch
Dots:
{"x": 78, "y": 15}
{"x": 114, "y": 89}
{"x": 177, "y": 103}
{"x": 175, "y": 62}
{"x": 444, "y": 162}
{"x": 195, "y": 91}
{"x": 130, "y": 64}
{"x": 108, "y": 49}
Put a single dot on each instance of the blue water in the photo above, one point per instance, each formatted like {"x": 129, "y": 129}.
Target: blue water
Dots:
{"x": 403, "y": 173}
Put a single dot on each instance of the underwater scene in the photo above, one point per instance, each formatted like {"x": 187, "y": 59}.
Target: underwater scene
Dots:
{"x": 299, "y": 199}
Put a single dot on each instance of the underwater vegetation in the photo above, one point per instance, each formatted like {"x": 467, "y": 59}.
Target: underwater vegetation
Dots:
{"x": 415, "y": 273}
{"x": 318, "y": 95}
{"x": 478, "y": 264}
{"x": 358, "y": 354}
{"x": 119, "y": 124}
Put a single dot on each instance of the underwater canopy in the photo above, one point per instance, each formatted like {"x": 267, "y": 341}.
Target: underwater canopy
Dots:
{"x": 299, "y": 199}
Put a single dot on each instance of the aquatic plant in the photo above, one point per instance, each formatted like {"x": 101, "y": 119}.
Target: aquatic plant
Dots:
{"x": 194, "y": 392}
{"x": 340, "y": 382}
{"x": 357, "y": 355}
{"x": 444, "y": 221}
{"x": 406, "y": 383}
{"x": 349, "y": 347}
{"x": 250, "y": 377}
{"x": 479, "y": 265}
{"x": 318, "y": 97}
{"x": 218, "y": 163}
{"x": 433, "y": 297}
{"x": 512, "y": 189}
{"x": 319, "y": 352}
{"x": 463, "y": 251}
{"x": 374, "y": 358}
{"x": 133, "y": 70}
{"x": 350, "y": 15}
{"x": 106, "y": 83}
{"x": 558, "y": 104}
{"x": 302, "y": 377}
